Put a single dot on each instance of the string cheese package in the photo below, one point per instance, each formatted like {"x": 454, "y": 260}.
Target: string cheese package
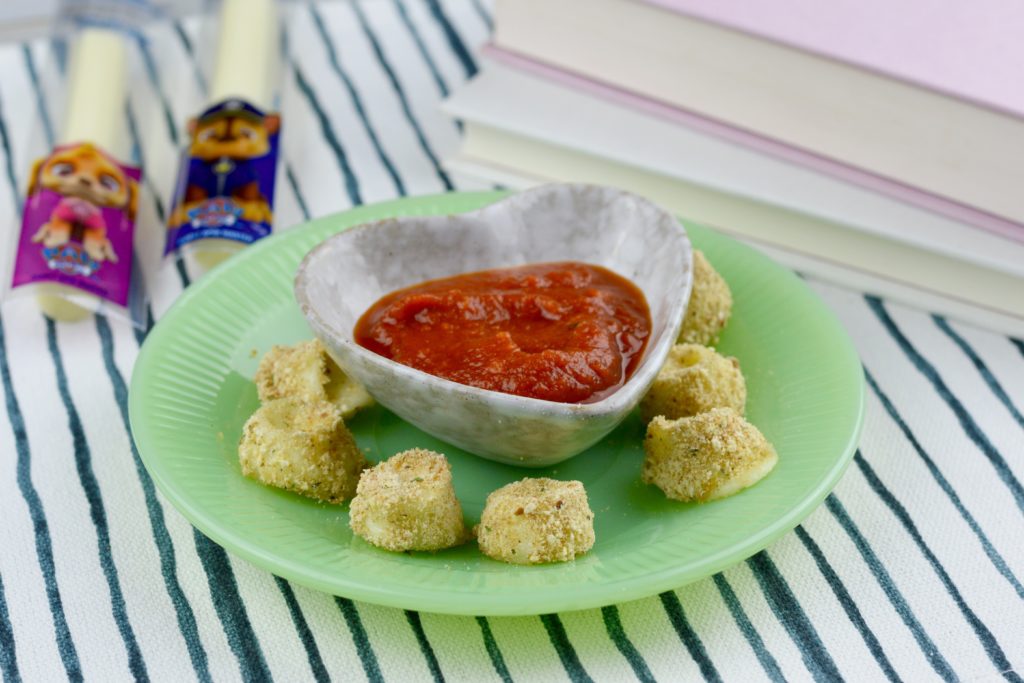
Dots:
{"x": 75, "y": 251}
{"x": 224, "y": 195}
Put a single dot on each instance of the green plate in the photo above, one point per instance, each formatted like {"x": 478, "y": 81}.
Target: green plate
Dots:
{"x": 191, "y": 393}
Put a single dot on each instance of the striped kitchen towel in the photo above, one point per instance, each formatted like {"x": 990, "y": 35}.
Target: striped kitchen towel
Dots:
{"x": 911, "y": 570}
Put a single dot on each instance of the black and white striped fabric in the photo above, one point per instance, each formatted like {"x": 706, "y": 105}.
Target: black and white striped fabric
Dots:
{"x": 911, "y": 570}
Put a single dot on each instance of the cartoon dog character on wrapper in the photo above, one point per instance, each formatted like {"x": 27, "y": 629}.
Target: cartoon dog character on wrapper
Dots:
{"x": 223, "y": 140}
{"x": 87, "y": 179}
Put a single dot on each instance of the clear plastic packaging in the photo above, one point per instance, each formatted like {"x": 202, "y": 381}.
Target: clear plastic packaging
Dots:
{"x": 224, "y": 195}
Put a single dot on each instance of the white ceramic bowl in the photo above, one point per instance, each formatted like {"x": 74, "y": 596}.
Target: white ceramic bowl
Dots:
{"x": 341, "y": 277}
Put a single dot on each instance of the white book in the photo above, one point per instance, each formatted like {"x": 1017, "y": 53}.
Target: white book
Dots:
{"x": 510, "y": 100}
{"x": 861, "y": 259}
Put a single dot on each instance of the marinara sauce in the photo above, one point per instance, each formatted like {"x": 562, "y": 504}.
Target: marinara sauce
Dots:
{"x": 567, "y": 332}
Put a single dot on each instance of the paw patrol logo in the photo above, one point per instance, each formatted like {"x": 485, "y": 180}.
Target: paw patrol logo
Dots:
{"x": 215, "y": 213}
{"x": 70, "y": 259}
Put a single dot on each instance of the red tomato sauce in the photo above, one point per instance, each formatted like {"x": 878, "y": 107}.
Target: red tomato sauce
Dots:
{"x": 567, "y": 332}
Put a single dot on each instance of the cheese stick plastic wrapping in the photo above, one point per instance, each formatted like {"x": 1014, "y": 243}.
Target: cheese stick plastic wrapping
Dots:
{"x": 224, "y": 195}
{"x": 75, "y": 249}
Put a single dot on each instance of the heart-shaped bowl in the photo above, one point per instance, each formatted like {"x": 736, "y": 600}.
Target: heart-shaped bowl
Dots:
{"x": 342, "y": 276}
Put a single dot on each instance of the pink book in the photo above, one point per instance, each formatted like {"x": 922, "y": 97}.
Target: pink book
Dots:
{"x": 971, "y": 50}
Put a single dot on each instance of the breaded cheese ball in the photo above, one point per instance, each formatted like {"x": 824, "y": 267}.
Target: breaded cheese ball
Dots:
{"x": 306, "y": 371}
{"x": 695, "y": 379}
{"x": 705, "y": 457}
{"x": 408, "y": 502}
{"x": 710, "y": 304}
{"x": 301, "y": 446}
{"x": 536, "y": 520}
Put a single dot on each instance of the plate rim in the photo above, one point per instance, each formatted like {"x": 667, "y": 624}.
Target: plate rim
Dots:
{"x": 584, "y": 595}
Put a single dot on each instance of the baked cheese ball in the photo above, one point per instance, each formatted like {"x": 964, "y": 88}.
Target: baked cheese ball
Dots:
{"x": 695, "y": 379}
{"x": 408, "y": 502}
{"x": 306, "y": 371}
{"x": 705, "y": 457}
{"x": 710, "y": 304}
{"x": 301, "y": 446}
{"x": 536, "y": 520}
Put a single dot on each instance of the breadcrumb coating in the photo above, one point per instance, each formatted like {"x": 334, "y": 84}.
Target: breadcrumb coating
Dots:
{"x": 307, "y": 371}
{"x": 710, "y": 304}
{"x": 708, "y": 456}
{"x": 301, "y": 446}
{"x": 408, "y": 502}
{"x": 695, "y": 379}
{"x": 536, "y": 520}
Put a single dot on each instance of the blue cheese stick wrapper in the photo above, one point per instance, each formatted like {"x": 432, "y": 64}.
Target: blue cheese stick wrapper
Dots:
{"x": 225, "y": 191}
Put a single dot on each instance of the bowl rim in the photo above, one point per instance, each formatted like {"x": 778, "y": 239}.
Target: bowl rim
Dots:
{"x": 622, "y": 398}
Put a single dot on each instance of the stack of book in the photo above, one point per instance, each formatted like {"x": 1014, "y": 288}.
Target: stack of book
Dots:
{"x": 883, "y": 154}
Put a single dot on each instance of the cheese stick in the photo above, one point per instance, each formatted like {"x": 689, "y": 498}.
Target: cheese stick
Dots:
{"x": 94, "y": 112}
{"x": 97, "y": 87}
{"x": 246, "y": 53}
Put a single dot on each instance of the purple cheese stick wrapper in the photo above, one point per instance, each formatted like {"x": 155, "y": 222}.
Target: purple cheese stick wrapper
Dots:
{"x": 78, "y": 223}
